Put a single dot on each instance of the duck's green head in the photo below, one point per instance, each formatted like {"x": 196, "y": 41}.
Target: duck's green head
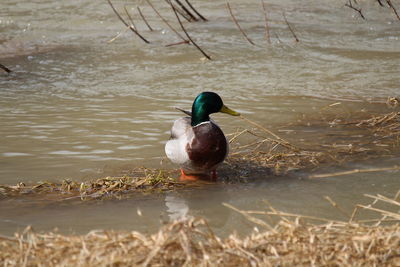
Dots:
{"x": 207, "y": 103}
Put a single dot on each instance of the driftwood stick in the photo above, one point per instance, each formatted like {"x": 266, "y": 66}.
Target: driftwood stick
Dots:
{"x": 267, "y": 35}
{"x": 195, "y": 11}
{"x": 165, "y": 21}
{"x": 5, "y": 68}
{"x": 187, "y": 35}
{"x": 290, "y": 28}
{"x": 144, "y": 19}
{"x": 237, "y": 24}
{"x": 350, "y": 5}
{"x": 187, "y": 11}
{"x": 389, "y": 2}
{"x": 126, "y": 24}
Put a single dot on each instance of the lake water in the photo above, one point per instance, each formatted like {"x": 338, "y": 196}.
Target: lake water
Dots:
{"x": 78, "y": 105}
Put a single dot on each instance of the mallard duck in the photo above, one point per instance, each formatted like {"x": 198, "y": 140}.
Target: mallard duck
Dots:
{"x": 197, "y": 144}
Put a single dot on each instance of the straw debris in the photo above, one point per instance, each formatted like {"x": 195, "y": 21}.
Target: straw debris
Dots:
{"x": 191, "y": 242}
{"x": 376, "y": 136}
{"x": 139, "y": 180}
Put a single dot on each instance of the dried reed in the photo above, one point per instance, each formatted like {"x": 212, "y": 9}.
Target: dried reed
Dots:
{"x": 261, "y": 147}
{"x": 5, "y": 68}
{"x": 237, "y": 24}
{"x": 349, "y": 4}
{"x": 293, "y": 241}
{"x": 131, "y": 27}
{"x": 144, "y": 19}
{"x": 187, "y": 34}
{"x": 139, "y": 180}
{"x": 290, "y": 28}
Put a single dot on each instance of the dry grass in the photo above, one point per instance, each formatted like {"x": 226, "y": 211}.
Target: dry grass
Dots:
{"x": 139, "y": 180}
{"x": 190, "y": 242}
{"x": 363, "y": 139}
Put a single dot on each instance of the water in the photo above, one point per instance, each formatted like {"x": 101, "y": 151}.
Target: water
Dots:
{"x": 78, "y": 106}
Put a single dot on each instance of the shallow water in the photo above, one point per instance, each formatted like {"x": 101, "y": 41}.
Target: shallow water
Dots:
{"x": 78, "y": 106}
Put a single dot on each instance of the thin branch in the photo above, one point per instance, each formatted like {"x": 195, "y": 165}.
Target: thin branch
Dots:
{"x": 389, "y": 2}
{"x": 380, "y": 2}
{"x": 195, "y": 11}
{"x": 350, "y": 5}
{"x": 118, "y": 35}
{"x": 186, "y": 10}
{"x": 126, "y": 24}
{"x": 290, "y": 28}
{"x": 237, "y": 24}
{"x": 178, "y": 43}
{"x": 267, "y": 35}
{"x": 180, "y": 11}
{"x": 187, "y": 35}
{"x": 165, "y": 21}
{"x": 5, "y": 68}
{"x": 130, "y": 18}
{"x": 144, "y": 19}
{"x": 277, "y": 37}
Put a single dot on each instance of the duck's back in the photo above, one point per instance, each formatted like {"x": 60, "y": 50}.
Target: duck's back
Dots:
{"x": 208, "y": 146}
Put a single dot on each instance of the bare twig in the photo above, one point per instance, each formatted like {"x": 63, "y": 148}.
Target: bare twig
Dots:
{"x": 130, "y": 18}
{"x": 180, "y": 11}
{"x": 144, "y": 19}
{"x": 290, "y": 28}
{"x": 195, "y": 11}
{"x": 394, "y": 168}
{"x": 5, "y": 68}
{"x": 187, "y": 35}
{"x": 118, "y": 35}
{"x": 277, "y": 37}
{"x": 380, "y": 2}
{"x": 126, "y": 24}
{"x": 186, "y": 10}
{"x": 389, "y": 2}
{"x": 178, "y": 43}
{"x": 237, "y": 24}
{"x": 267, "y": 35}
{"x": 350, "y": 5}
{"x": 165, "y": 21}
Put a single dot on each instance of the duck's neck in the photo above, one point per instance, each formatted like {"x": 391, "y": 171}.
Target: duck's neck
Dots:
{"x": 199, "y": 115}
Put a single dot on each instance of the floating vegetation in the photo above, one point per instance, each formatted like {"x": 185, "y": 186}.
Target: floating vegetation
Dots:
{"x": 293, "y": 241}
{"x": 373, "y": 137}
{"x": 139, "y": 180}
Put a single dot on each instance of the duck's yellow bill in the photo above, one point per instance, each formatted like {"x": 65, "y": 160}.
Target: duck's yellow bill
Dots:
{"x": 229, "y": 111}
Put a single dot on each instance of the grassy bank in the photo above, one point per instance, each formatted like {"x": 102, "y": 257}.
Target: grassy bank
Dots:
{"x": 294, "y": 241}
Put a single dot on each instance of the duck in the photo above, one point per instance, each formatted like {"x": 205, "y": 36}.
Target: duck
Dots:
{"x": 197, "y": 144}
